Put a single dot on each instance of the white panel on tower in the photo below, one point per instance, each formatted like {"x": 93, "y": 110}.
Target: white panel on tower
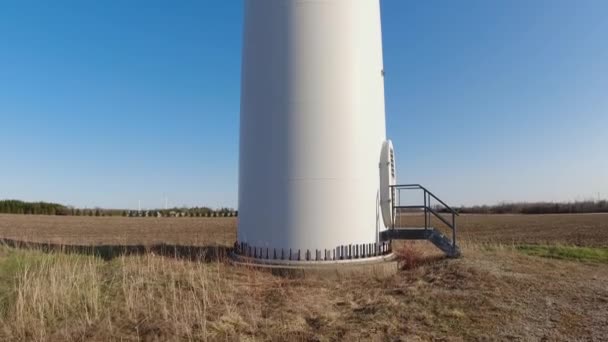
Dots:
{"x": 388, "y": 178}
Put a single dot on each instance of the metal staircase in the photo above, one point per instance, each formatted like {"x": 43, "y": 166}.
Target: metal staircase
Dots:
{"x": 403, "y": 215}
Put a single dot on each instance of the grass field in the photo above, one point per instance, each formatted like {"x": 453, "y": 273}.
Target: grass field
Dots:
{"x": 521, "y": 278}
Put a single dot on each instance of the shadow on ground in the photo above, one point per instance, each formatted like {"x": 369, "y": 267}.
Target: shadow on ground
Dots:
{"x": 109, "y": 252}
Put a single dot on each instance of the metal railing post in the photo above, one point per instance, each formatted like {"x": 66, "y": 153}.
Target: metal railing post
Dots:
{"x": 426, "y": 224}
{"x": 428, "y": 203}
{"x": 394, "y": 211}
{"x": 453, "y": 229}
{"x": 398, "y": 203}
{"x": 439, "y": 211}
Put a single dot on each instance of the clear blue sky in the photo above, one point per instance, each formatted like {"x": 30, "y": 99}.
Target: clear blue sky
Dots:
{"x": 104, "y": 103}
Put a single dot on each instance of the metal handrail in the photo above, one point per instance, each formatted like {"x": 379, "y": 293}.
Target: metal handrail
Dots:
{"x": 418, "y": 186}
{"x": 440, "y": 217}
{"x": 427, "y": 207}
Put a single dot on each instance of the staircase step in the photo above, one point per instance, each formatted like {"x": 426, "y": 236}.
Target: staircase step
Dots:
{"x": 443, "y": 243}
{"x": 415, "y": 233}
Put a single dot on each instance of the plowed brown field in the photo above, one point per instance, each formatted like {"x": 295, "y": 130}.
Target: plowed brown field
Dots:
{"x": 579, "y": 229}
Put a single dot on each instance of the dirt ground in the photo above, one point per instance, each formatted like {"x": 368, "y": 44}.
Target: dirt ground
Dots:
{"x": 570, "y": 229}
{"x": 576, "y": 229}
{"x": 494, "y": 292}
{"x": 85, "y": 230}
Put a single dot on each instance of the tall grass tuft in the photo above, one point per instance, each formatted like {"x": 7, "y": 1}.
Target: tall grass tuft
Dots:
{"x": 51, "y": 290}
{"x": 409, "y": 256}
{"x": 55, "y": 296}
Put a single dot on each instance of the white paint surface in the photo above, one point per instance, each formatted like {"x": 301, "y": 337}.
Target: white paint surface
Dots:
{"x": 312, "y": 123}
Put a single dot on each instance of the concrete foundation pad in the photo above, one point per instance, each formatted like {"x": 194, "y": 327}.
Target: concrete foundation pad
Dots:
{"x": 377, "y": 267}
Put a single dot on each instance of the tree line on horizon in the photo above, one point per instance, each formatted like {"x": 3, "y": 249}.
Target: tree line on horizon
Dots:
{"x": 32, "y": 208}
{"x": 49, "y": 208}
{"x": 578, "y": 207}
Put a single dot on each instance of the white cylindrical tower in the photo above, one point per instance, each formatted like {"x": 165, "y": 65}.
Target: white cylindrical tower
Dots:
{"x": 312, "y": 129}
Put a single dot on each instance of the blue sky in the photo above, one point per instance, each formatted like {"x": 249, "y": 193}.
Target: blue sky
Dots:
{"x": 104, "y": 103}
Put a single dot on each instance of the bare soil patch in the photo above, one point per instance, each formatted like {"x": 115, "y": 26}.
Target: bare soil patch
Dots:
{"x": 570, "y": 229}
{"x": 86, "y": 230}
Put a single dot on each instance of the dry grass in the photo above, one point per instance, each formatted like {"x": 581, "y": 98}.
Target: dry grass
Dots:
{"x": 491, "y": 294}
{"x": 495, "y": 292}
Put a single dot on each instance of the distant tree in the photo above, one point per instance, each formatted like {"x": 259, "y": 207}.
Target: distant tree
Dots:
{"x": 33, "y": 208}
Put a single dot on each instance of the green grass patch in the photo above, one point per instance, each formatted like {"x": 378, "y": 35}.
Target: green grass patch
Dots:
{"x": 584, "y": 254}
